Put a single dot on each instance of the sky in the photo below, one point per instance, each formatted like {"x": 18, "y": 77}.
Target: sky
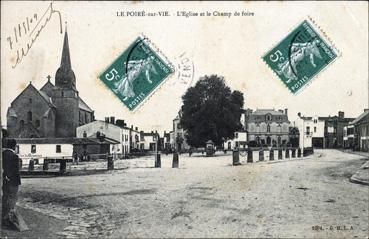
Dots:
{"x": 228, "y": 46}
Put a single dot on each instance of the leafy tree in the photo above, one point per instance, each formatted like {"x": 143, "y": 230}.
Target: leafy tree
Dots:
{"x": 211, "y": 111}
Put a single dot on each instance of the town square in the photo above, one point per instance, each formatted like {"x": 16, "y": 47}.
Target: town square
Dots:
{"x": 184, "y": 121}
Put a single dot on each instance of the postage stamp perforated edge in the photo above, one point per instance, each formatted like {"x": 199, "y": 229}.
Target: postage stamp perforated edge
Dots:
{"x": 325, "y": 37}
{"x": 159, "y": 54}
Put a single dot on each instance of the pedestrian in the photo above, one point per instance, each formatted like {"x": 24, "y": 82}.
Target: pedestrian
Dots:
{"x": 11, "y": 182}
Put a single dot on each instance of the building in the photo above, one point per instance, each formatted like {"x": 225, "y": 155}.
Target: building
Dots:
{"x": 115, "y": 130}
{"x": 166, "y": 144}
{"x": 294, "y": 136}
{"x": 356, "y": 133}
{"x": 239, "y": 141}
{"x": 333, "y": 130}
{"x": 56, "y": 148}
{"x": 323, "y": 132}
{"x": 240, "y": 137}
{"x": 149, "y": 141}
{"x": 311, "y": 131}
{"x": 268, "y": 127}
{"x": 179, "y": 139}
{"x": 54, "y": 110}
{"x": 134, "y": 138}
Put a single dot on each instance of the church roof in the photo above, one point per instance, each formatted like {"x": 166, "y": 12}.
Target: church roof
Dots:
{"x": 48, "y": 88}
{"x": 47, "y": 98}
{"x": 82, "y": 105}
{"x": 41, "y": 93}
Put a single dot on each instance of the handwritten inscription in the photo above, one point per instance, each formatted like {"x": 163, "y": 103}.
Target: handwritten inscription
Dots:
{"x": 26, "y": 33}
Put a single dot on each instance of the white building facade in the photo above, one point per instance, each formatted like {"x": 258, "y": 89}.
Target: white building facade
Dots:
{"x": 109, "y": 129}
{"x": 311, "y": 131}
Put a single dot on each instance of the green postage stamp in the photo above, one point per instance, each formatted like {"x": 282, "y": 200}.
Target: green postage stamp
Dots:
{"x": 300, "y": 56}
{"x": 135, "y": 74}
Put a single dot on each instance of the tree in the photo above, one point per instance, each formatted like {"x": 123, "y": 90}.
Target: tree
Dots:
{"x": 211, "y": 111}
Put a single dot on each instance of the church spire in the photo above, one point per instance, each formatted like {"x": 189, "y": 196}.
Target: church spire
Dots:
{"x": 64, "y": 77}
{"x": 65, "y": 60}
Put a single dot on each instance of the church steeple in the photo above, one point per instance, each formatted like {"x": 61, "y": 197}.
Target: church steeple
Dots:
{"x": 65, "y": 60}
{"x": 64, "y": 77}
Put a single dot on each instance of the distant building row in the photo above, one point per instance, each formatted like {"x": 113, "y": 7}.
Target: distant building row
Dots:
{"x": 269, "y": 127}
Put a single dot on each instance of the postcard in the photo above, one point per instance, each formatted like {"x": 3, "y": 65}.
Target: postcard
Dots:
{"x": 184, "y": 119}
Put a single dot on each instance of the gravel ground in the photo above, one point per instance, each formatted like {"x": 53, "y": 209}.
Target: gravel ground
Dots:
{"x": 207, "y": 197}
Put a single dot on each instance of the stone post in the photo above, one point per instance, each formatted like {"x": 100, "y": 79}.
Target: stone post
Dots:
{"x": 249, "y": 156}
{"x": 45, "y": 166}
{"x": 271, "y": 155}
{"x": 280, "y": 154}
{"x": 293, "y": 153}
{"x": 63, "y": 167}
{"x": 287, "y": 153}
{"x": 299, "y": 152}
{"x": 110, "y": 162}
{"x": 175, "y": 162}
{"x": 157, "y": 160}
{"x": 236, "y": 157}
{"x": 31, "y": 165}
{"x": 261, "y": 155}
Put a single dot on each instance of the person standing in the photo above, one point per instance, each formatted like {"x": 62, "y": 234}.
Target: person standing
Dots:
{"x": 11, "y": 182}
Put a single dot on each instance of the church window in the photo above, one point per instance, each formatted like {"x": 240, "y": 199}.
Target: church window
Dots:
{"x": 268, "y": 128}
{"x": 58, "y": 148}
{"x": 84, "y": 134}
{"x": 62, "y": 93}
{"x": 86, "y": 117}
{"x": 30, "y": 100}
{"x": 21, "y": 123}
{"x": 33, "y": 148}
{"x": 29, "y": 116}
{"x": 37, "y": 123}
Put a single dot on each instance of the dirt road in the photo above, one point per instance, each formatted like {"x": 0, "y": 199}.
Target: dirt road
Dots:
{"x": 207, "y": 197}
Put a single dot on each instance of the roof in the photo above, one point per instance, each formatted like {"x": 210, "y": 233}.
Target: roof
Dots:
{"x": 360, "y": 117}
{"x": 102, "y": 121}
{"x": 74, "y": 141}
{"x": 267, "y": 111}
{"x": 30, "y": 86}
{"x": 47, "y": 98}
{"x": 82, "y": 105}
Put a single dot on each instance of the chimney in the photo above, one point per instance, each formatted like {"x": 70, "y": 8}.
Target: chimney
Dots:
{"x": 136, "y": 128}
{"x": 107, "y": 119}
{"x": 112, "y": 119}
{"x": 152, "y": 131}
{"x": 299, "y": 114}
{"x": 286, "y": 111}
{"x": 341, "y": 114}
{"x": 98, "y": 134}
{"x": 120, "y": 122}
{"x": 131, "y": 126}
{"x": 280, "y": 111}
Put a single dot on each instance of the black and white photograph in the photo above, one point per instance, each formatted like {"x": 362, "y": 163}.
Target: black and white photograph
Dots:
{"x": 199, "y": 119}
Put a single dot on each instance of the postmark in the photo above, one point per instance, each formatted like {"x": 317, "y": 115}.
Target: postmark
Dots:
{"x": 301, "y": 56}
{"x": 137, "y": 72}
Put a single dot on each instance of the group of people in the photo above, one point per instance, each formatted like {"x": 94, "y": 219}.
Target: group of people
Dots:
{"x": 10, "y": 185}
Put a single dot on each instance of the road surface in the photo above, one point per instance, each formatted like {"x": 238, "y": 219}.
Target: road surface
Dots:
{"x": 207, "y": 197}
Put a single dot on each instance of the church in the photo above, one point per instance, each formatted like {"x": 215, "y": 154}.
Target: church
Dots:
{"x": 54, "y": 111}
